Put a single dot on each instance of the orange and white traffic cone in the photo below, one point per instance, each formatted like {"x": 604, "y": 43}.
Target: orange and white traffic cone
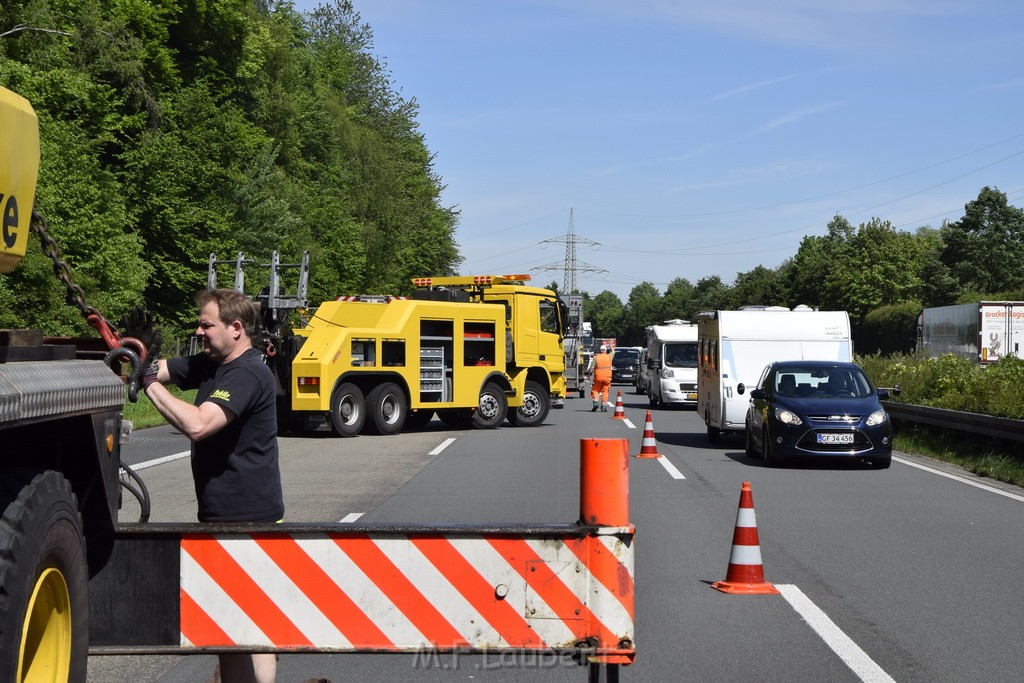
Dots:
{"x": 746, "y": 573}
{"x": 649, "y": 446}
{"x": 619, "y": 413}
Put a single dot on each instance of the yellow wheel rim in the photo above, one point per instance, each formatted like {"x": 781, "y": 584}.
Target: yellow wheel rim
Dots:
{"x": 46, "y": 637}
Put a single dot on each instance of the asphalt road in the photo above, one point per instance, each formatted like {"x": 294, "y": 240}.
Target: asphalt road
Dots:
{"x": 910, "y": 573}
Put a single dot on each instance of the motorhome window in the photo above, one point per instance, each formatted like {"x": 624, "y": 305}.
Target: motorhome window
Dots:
{"x": 549, "y": 317}
{"x": 681, "y": 355}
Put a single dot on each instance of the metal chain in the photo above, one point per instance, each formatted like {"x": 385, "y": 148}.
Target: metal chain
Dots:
{"x": 75, "y": 294}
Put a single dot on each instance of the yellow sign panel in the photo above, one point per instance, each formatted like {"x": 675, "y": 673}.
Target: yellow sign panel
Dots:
{"x": 19, "y": 168}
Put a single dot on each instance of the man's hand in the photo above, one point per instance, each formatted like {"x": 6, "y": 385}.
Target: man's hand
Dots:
{"x": 138, "y": 323}
{"x": 150, "y": 374}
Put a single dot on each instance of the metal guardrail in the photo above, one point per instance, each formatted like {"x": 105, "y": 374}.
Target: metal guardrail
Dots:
{"x": 973, "y": 423}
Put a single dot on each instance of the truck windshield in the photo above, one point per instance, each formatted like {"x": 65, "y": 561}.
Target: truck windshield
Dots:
{"x": 683, "y": 355}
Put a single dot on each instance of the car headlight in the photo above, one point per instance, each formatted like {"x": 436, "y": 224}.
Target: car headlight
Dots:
{"x": 667, "y": 373}
{"x": 876, "y": 418}
{"x": 787, "y": 417}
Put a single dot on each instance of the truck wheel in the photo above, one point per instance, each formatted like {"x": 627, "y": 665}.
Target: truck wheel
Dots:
{"x": 535, "y": 408}
{"x": 492, "y": 408}
{"x": 387, "y": 407}
{"x": 348, "y": 410}
{"x": 44, "y": 579}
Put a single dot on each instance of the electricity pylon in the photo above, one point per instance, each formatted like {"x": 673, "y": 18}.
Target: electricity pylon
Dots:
{"x": 571, "y": 266}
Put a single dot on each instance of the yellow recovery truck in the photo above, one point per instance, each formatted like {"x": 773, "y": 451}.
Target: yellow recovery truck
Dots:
{"x": 474, "y": 350}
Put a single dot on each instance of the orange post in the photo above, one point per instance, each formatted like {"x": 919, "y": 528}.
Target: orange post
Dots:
{"x": 604, "y": 482}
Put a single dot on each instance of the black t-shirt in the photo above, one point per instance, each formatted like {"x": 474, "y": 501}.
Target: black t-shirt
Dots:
{"x": 236, "y": 470}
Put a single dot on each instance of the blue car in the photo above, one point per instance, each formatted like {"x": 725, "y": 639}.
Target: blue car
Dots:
{"x": 818, "y": 409}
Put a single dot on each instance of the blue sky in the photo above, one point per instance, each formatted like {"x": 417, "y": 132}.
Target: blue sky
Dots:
{"x": 694, "y": 138}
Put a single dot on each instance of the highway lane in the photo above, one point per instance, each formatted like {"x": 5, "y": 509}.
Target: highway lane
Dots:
{"x": 915, "y": 569}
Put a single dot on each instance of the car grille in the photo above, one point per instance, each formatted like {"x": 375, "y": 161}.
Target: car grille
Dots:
{"x": 835, "y": 419}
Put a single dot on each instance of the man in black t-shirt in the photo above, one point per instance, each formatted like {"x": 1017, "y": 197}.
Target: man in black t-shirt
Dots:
{"x": 233, "y": 430}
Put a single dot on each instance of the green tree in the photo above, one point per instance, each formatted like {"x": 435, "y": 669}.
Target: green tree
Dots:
{"x": 677, "y": 301}
{"x": 984, "y": 249}
{"x": 605, "y": 312}
{"x": 643, "y": 308}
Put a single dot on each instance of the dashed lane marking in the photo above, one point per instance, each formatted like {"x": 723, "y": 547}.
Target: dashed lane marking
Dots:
{"x": 351, "y": 517}
{"x": 161, "y": 461}
{"x": 673, "y": 472}
{"x": 443, "y": 445}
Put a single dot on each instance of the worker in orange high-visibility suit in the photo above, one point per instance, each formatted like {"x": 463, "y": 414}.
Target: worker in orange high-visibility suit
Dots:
{"x": 600, "y": 369}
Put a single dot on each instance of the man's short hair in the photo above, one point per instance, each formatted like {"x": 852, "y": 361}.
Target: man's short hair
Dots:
{"x": 232, "y": 305}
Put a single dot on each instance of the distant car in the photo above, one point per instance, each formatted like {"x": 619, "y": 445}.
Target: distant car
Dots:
{"x": 624, "y": 364}
{"x": 818, "y": 409}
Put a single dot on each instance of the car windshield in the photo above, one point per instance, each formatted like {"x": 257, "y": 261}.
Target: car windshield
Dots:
{"x": 625, "y": 358}
{"x": 818, "y": 382}
{"x": 682, "y": 355}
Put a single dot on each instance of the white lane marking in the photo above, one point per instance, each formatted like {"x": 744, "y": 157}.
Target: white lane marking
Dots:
{"x": 676, "y": 474}
{"x": 351, "y": 517}
{"x": 628, "y": 423}
{"x": 161, "y": 461}
{"x": 444, "y": 444}
{"x": 963, "y": 480}
{"x": 859, "y": 662}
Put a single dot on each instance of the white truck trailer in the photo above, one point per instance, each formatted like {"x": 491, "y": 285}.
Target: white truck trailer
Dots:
{"x": 672, "y": 363}
{"x": 735, "y": 346}
{"x": 984, "y": 332}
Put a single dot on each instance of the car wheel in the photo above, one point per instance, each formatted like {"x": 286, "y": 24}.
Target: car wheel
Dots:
{"x": 348, "y": 410}
{"x": 714, "y": 433}
{"x": 387, "y": 407}
{"x": 748, "y": 443}
{"x": 492, "y": 408}
{"x": 535, "y": 407}
{"x": 766, "y": 449}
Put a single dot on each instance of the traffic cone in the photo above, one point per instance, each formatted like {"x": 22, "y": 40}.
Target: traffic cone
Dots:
{"x": 649, "y": 446}
{"x": 746, "y": 573}
{"x": 619, "y": 413}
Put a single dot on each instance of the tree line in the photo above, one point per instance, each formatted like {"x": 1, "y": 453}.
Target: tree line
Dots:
{"x": 173, "y": 129}
{"x": 882, "y": 276}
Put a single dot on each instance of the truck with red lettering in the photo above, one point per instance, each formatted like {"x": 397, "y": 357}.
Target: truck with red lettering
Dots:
{"x": 984, "y": 332}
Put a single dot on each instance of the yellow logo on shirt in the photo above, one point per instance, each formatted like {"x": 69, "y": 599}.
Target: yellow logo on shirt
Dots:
{"x": 221, "y": 394}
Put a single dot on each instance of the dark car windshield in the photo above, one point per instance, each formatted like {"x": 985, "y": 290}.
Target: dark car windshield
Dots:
{"x": 625, "y": 358}
{"x": 683, "y": 355}
{"x": 818, "y": 382}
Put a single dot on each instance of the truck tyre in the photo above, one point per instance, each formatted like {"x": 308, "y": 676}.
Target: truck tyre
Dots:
{"x": 387, "y": 409}
{"x": 492, "y": 409}
{"x": 348, "y": 410}
{"x": 535, "y": 408}
{"x": 748, "y": 443}
{"x": 44, "y": 579}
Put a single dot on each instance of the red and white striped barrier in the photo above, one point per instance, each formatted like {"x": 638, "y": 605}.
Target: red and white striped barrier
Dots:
{"x": 358, "y": 592}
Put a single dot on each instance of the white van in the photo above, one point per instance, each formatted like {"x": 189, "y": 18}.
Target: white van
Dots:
{"x": 672, "y": 363}
{"x": 735, "y": 346}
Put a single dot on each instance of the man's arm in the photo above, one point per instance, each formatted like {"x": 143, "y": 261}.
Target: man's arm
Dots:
{"x": 195, "y": 422}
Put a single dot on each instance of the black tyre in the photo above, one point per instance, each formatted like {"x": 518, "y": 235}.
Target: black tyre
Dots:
{"x": 534, "y": 409}
{"x": 766, "y": 449}
{"x": 714, "y": 433}
{"x": 492, "y": 409}
{"x": 348, "y": 410}
{"x": 418, "y": 419}
{"x": 456, "y": 418}
{"x": 44, "y": 579}
{"x": 748, "y": 443}
{"x": 387, "y": 408}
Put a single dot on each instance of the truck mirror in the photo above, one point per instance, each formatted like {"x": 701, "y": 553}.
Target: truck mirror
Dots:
{"x": 757, "y": 393}
{"x": 740, "y": 388}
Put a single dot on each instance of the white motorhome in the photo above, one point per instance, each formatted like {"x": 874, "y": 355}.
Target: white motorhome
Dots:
{"x": 672, "y": 363}
{"x": 735, "y": 347}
